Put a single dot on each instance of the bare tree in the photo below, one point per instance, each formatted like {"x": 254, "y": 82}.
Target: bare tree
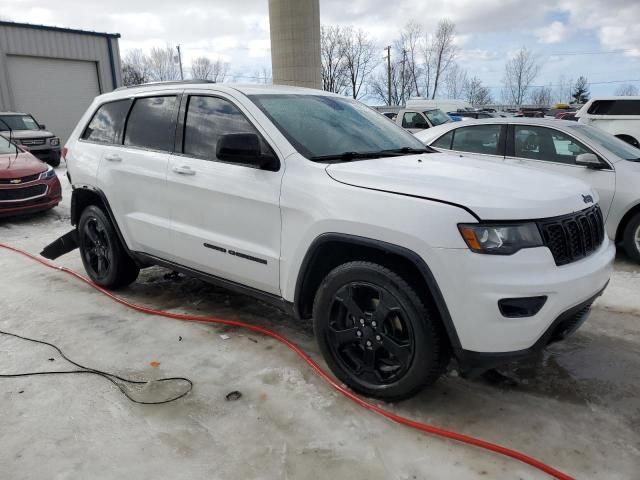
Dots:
{"x": 263, "y": 75}
{"x": 359, "y": 54}
{"x": 409, "y": 45}
{"x": 455, "y": 81}
{"x": 519, "y": 74}
{"x": 162, "y": 64}
{"x": 334, "y": 71}
{"x": 563, "y": 90}
{"x": 542, "y": 96}
{"x": 475, "y": 93}
{"x": 135, "y": 68}
{"x": 627, "y": 90}
{"x": 201, "y": 68}
{"x": 400, "y": 86}
{"x": 443, "y": 52}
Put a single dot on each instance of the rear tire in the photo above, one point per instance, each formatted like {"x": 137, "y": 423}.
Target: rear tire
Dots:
{"x": 104, "y": 258}
{"x": 631, "y": 238}
{"x": 376, "y": 334}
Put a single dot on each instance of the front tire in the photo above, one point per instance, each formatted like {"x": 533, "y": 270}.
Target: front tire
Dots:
{"x": 103, "y": 256}
{"x": 376, "y": 334}
{"x": 631, "y": 238}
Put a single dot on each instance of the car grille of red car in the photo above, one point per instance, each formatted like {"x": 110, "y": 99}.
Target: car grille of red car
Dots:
{"x": 16, "y": 194}
{"x": 19, "y": 180}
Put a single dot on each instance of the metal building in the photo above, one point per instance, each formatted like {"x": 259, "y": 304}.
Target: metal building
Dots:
{"x": 54, "y": 73}
{"x": 295, "y": 42}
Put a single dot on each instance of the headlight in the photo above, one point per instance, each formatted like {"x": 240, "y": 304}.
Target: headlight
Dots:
{"x": 54, "y": 142}
{"x": 500, "y": 239}
{"x": 50, "y": 173}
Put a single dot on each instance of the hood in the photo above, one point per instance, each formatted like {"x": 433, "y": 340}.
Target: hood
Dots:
{"x": 18, "y": 134}
{"x": 493, "y": 191}
{"x": 22, "y": 165}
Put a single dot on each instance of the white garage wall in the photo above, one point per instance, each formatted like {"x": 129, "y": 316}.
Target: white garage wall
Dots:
{"x": 57, "y": 92}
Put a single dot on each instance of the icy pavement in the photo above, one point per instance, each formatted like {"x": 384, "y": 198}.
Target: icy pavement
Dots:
{"x": 576, "y": 407}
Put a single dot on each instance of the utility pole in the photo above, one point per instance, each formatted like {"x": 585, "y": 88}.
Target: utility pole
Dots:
{"x": 404, "y": 60}
{"x": 388, "y": 49}
{"x": 180, "y": 61}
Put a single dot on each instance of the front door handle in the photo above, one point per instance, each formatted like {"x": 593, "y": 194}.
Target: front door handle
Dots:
{"x": 184, "y": 170}
{"x": 112, "y": 157}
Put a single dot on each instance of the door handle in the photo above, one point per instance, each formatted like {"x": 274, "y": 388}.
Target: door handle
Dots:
{"x": 112, "y": 157}
{"x": 184, "y": 170}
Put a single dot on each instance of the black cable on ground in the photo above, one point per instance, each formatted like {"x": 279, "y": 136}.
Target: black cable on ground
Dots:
{"x": 92, "y": 371}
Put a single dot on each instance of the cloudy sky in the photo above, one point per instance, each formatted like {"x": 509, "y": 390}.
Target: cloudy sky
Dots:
{"x": 599, "y": 39}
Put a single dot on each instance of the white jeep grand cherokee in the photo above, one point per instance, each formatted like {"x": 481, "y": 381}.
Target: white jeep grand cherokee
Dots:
{"x": 318, "y": 204}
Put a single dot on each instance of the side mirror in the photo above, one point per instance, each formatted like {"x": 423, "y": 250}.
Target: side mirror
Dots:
{"x": 43, "y": 127}
{"x": 243, "y": 148}
{"x": 589, "y": 160}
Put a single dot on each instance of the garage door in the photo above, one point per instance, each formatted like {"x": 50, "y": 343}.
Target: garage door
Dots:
{"x": 57, "y": 92}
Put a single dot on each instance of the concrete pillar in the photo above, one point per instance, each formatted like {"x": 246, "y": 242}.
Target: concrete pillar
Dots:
{"x": 295, "y": 42}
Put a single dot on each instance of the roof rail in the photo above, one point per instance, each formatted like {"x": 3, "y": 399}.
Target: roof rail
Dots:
{"x": 167, "y": 82}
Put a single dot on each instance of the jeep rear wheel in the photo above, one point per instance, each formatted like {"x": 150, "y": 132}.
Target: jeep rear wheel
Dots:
{"x": 103, "y": 256}
{"x": 375, "y": 333}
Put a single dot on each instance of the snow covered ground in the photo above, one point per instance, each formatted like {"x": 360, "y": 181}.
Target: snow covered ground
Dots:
{"x": 576, "y": 407}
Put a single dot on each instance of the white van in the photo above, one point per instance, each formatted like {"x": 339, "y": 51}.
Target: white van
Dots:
{"x": 444, "y": 105}
{"x": 620, "y": 116}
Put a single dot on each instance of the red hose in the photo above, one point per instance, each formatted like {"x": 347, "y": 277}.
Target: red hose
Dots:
{"x": 343, "y": 390}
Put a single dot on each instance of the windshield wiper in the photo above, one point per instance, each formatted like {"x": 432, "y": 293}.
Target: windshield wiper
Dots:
{"x": 408, "y": 150}
{"x": 346, "y": 156}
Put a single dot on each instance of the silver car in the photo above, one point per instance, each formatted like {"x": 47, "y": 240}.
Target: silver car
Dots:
{"x": 610, "y": 165}
{"x": 24, "y": 130}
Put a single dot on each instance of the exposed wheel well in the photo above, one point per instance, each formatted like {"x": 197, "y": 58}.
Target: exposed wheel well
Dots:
{"x": 623, "y": 223}
{"x": 628, "y": 139}
{"x": 81, "y": 198}
{"x": 332, "y": 253}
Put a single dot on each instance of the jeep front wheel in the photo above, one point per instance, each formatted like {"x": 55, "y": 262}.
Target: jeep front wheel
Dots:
{"x": 376, "y": 334}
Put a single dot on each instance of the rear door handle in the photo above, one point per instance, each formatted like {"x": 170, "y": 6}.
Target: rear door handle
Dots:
{"x": 184, "y": 170}
{"x": 112, "y": 157}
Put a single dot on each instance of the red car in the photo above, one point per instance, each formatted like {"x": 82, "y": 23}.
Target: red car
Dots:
{"x": 27, "y": 184}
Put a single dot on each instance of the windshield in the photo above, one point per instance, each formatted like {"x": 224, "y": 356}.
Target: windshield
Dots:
{"x": 6, "y": 147}
{"x": 18, "y": 122}
{"x": 619, "y": 147}
{"x": 437, "y": 117}
{"x": 325, "y": 126}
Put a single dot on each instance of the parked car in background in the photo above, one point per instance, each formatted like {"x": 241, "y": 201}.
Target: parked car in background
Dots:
{"x": 25, "y": 131}
{"x": 609, "y": 165}
{"x": 530, "y": 112}
{"x": 478, "y": 115}
{"x": 390, "y": 115}
{"x": 620, "y": 116}
{"x": 27, "y": 184}
{"x": 566, "y": 116}
{"x": 446, "y": 105}
{"x": 416, "y": 120}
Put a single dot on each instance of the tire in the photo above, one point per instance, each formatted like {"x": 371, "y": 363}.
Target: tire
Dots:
{"x": 105, "y": 260}
{"x": 407, "y": 349}
{"x": 631, "y": 238}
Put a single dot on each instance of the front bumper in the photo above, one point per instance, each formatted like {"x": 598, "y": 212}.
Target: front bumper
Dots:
{"x": 51, "y": 197}
{"x": 49, "y": 155}
{"x": 473, "y": 284}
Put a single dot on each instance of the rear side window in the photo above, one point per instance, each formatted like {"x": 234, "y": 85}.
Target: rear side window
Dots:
{"x": 615, "y": 107}
{"x": 106, "y": 124}
{"x": 413, "y": 120}
{"x": 483, "y": 139}
{"x": 152, "y": 123}
{"x": 207, "y": 119}
{"x": 444, "y": 141}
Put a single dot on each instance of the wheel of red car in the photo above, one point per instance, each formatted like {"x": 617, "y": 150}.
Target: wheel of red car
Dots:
{"x": 105, "y": 260}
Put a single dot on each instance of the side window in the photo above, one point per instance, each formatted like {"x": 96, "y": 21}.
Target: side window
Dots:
{"x": 410, "y": 119}
{"x": 540, "y": 143}
{"x": 483, "y": 139}
{"x": 152, "y": 123}
{"x": 615, "y": 107}
{"x": 106, "y": 124}
{"x": 207, "y": 119}
{"x": 444, "y": 141}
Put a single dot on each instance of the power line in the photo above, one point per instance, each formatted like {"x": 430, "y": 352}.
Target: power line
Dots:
{"x": 605, "y": 52}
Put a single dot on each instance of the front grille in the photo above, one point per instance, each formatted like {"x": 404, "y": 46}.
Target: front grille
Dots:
{"x": 573, "y": 237}
{"x": 13, "y": 194}
{"x": 33, "y": 141}
{"x": 12, "y": 181}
